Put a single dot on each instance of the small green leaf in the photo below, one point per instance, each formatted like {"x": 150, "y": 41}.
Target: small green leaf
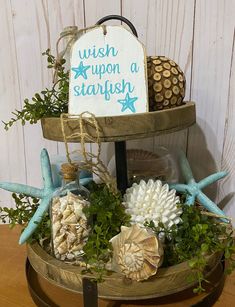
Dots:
{"x": 192, "y": 263}
{"x": 204, "y": 247}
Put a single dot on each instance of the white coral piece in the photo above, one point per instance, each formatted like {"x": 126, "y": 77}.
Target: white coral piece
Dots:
{"x": 69, "y": 226}
{"x": 152, "y": 201}
{"x": 137, "y": 253}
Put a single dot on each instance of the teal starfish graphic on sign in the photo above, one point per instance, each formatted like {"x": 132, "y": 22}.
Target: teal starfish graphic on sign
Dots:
{"x": 45, "y": 194}
{"x": 128, "y": 103}
{"x": 81, "y": 70}
{"x": 193, "y": 188}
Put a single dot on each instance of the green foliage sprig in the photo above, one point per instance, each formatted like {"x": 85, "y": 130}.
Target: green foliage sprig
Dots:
{"x": 23, "y": 211}
{"x": 195, "y": 237}
{"x": 25, "y": 208}
{"x": 106, "y": 214}
{"x": 50, "y": 102}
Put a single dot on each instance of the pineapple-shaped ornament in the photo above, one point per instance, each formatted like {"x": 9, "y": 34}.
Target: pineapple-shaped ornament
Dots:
{"x": 69, "y": 224}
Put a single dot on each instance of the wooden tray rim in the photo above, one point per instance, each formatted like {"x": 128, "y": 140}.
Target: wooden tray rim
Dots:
{"x": 48, "y": 124}
{"x": 45, "y": 260}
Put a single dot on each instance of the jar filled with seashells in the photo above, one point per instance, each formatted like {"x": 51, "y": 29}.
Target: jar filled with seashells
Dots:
{"x": 166, "y": 83}
{"x": 70, "y": 228}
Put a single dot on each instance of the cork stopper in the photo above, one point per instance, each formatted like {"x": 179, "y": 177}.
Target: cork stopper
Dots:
{"x": 69, "y": 171}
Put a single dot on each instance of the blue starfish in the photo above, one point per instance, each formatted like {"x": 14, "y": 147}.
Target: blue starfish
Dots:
{"x": 45, "y": 194}
{"x": 128, "y": 103}
{"x": 193, "y": 188}
{"x": 81, "y": 70}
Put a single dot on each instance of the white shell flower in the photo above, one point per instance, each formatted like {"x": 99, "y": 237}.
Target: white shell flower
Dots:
{"x": 152, "y": 201}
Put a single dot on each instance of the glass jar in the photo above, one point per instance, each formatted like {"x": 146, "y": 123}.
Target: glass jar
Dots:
{"x": 70, "y": 227}
{"x": 70, "y": 180}
{"x": 144, "y": 165}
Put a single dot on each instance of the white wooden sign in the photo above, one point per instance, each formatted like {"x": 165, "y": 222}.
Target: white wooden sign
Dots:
{"x": 108, "y": 73}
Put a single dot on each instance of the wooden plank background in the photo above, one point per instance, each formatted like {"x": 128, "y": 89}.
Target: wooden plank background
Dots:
{"x": 197, "y": 34}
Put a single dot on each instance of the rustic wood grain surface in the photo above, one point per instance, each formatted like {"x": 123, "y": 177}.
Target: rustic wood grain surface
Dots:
{"x": 121, "y": 128}
{"x": 167, "y": 281}
{"x": 13, "y": 284}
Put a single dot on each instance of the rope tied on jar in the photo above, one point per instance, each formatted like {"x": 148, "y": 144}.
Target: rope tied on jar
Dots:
{"x": 88, "y": 131}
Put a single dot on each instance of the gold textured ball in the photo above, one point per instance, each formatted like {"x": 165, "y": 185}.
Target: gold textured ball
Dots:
{"x": 166, "y": 83}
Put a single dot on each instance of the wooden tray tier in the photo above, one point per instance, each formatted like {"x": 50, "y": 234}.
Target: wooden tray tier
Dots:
{"x": 126, "y": 127}
{"x": 45, "y": 293}
{"x": 115, "y": 287}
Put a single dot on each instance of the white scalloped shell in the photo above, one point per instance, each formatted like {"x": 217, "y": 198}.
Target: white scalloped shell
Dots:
{"x": 151, "y": 200}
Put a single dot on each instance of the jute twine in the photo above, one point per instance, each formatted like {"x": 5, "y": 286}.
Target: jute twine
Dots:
{"x": 75, "y": 34}
{"x": 86, "y": 123}
{"x": 211, "y": 214}
{"x": 216, "y": 215}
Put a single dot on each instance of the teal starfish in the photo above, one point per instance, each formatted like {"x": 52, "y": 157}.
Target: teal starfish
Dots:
{"x": 45, "y": 194}
{"x": 81, "y": 70}
{"x": 128, "y": 103}
{"x": 193, "y": 188}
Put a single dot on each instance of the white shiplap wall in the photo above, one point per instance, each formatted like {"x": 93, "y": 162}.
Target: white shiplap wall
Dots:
{"x": 197, "y": 34}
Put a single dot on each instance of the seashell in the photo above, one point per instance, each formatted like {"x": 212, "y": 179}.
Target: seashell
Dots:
{"x": 71, "y": 238}
{"x": 70, "y": 256}
{"x": 69, "y": 226}
{"x": 137, "y": 253}
{"x": 77, "y": 248}
{"x": 58, "y": 239}
{"x": 56, "y": 226}
{"x": 71, "y": 219}
{"x": 140, "y": 154}
{"x": 143, "y": 164}
{"x": 66, "y": 213}
{"x": 152, "y": 201}
{"x": 62, "y": 248}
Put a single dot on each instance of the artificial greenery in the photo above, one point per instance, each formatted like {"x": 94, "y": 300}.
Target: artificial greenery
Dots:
{"x": 25, "y": 208}
{"x": 50, "y": 102}
{"x": 195, "y": 237}
{"x": 106, "y": 214}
